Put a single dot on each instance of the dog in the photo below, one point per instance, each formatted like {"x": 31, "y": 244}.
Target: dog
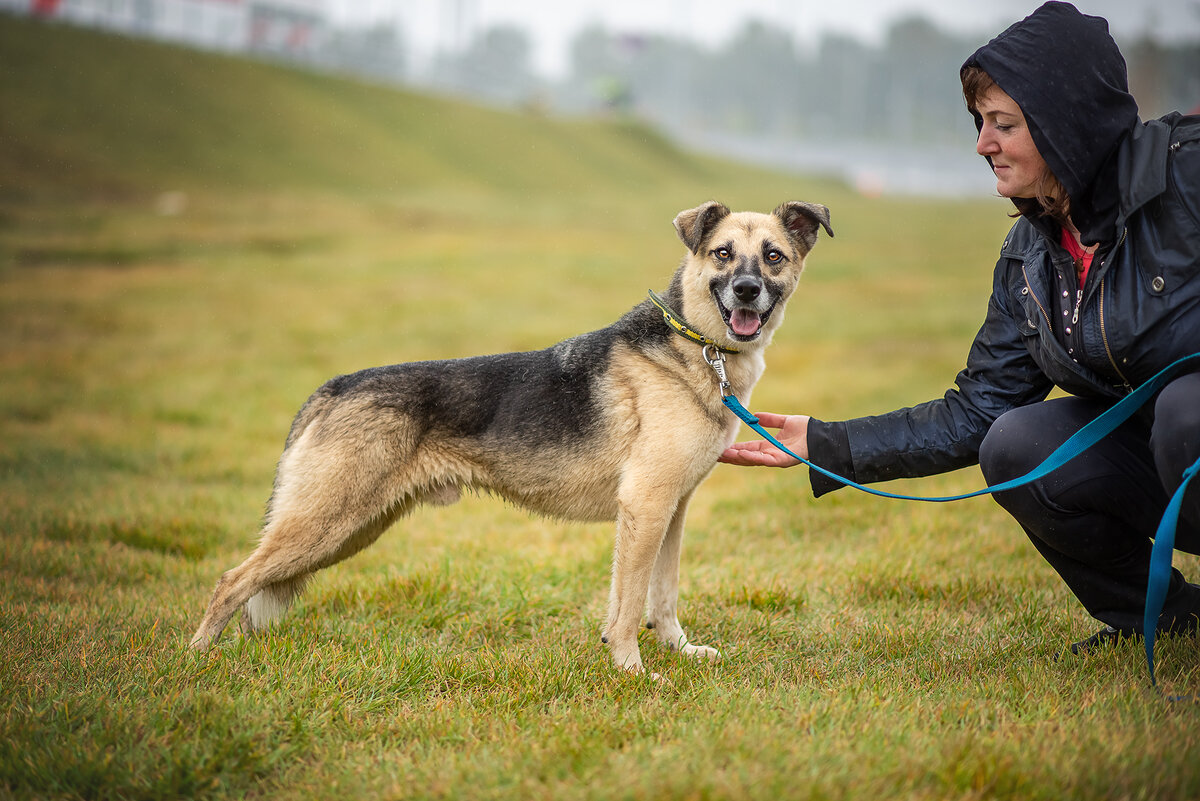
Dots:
{"x": 620, "y": 424}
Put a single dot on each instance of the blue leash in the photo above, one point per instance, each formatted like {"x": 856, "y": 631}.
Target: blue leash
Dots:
{"x": 1160, "y": 564}
{"x": 1084, "y": 438}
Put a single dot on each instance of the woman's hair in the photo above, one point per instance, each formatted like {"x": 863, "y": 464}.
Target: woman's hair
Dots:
{"x": 1051, "y": 194}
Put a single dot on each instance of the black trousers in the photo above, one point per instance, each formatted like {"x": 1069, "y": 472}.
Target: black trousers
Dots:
{"x": 1094, "y": 519}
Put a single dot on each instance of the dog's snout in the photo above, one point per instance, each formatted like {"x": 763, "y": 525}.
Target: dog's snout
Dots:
{"x": 747, "y": 288}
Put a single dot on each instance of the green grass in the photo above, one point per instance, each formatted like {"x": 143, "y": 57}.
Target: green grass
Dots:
{"x": 150, "y": 366}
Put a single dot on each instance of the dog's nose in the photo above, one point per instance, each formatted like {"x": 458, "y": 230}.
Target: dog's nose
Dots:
{"x": 746, "y": 288}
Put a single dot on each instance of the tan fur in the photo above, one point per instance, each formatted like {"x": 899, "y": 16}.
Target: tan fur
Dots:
{"x": 353, "y": 465}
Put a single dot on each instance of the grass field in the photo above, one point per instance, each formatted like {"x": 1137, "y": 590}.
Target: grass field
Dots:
{"x": 166, "y": 304}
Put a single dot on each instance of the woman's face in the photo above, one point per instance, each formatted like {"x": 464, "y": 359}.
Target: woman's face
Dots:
{"x": 1005, "y": 138}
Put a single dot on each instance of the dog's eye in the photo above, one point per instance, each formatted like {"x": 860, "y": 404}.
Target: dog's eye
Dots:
{"x": 722, "y": 254}
{"x": 774, "y": 256}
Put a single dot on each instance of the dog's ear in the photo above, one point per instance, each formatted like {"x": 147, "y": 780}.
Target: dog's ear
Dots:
{"x": 802, "y": 221}
{"x": 694, "y": 225}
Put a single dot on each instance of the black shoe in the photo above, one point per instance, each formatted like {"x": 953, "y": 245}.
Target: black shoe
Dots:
{"x": 1100, "y": 639}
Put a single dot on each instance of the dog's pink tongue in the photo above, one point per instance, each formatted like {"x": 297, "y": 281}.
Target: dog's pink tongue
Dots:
{"x": 744, "y": 322}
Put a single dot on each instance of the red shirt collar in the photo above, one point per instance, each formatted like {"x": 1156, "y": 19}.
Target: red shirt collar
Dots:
{"x": 1083, "y": 259}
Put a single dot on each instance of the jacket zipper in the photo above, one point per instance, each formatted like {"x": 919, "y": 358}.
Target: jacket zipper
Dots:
{"x": 1033, "y": 294}
{"x": 1104, "y": 330}
{"x": 1107, "y": 349}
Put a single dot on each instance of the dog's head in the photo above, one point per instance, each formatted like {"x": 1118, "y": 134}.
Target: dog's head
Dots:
{"x": 742, "y": 267}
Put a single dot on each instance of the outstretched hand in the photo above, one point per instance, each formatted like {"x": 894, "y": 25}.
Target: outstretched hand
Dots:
{"x": 793, "y": 432}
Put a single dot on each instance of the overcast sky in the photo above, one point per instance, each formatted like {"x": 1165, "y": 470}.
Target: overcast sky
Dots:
{"x": 430, "y": 25}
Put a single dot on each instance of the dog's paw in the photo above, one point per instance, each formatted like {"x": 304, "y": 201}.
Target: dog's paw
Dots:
{"x": 680, "y": 644}
{"x": 700, "y": 652}
{"x": 631, "y": 667}
{"x": 640, "y": 671}
{"x": 201, "y": 641}
{"x": 627, "y": 659}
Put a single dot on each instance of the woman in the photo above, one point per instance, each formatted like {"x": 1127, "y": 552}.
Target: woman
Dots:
{"x": 1097, "y": 288}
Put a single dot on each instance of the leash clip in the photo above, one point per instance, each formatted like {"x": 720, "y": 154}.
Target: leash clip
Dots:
{"x": 717, "y": 362}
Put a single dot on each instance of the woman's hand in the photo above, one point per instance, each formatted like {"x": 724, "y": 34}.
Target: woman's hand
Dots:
{"x": 793, "y": 432}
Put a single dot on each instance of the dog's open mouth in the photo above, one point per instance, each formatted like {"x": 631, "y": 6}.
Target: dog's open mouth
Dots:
{"x": 744, "y": 324}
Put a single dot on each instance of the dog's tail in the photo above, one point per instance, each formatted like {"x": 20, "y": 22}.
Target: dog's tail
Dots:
{"x": 270, "y": 603}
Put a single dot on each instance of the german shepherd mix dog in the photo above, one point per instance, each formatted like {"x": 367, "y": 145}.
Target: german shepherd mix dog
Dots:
{"x": 620, "y": 424}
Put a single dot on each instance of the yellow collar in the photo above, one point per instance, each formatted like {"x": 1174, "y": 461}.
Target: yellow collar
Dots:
{"x": 680, "y": 327}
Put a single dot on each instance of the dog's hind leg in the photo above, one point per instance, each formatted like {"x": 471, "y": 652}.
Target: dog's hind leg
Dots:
{"x": 328, "y": 504}
{"x": 271, "y": 602}
{"x": 234, "y": 589}
{"x": 269, "y": 579}
{"x": 663, "y": 596}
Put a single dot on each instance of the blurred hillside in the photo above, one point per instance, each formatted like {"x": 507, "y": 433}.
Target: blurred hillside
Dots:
{"x": 887, "y": 116}
{"x": 89, "y": 113}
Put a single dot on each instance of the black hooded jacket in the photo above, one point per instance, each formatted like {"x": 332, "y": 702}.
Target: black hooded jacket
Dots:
{"x": 1135, "y": 191}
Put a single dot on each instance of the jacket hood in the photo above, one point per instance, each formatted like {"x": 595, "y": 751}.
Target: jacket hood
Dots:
{"x": 1066, "y": 73}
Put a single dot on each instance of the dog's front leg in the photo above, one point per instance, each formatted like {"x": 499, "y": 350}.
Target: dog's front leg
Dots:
{"x": 640, "y": 530}
{"x": 664, "y": 591}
